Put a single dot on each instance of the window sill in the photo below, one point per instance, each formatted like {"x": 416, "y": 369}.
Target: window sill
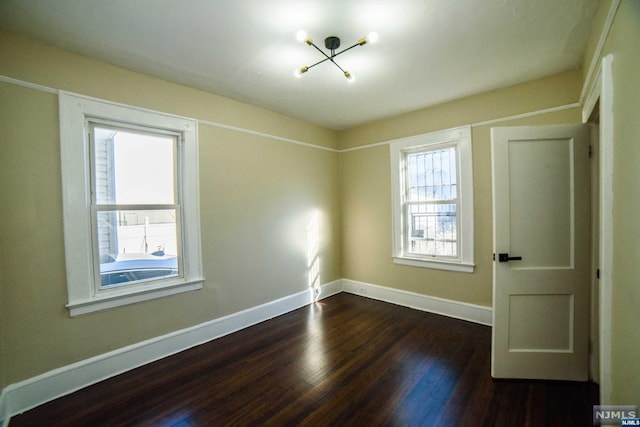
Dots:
{"x": 79, "y": 308}
{"x": 437, "y": 265}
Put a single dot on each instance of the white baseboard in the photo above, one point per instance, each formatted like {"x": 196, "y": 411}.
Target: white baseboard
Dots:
{"x": 20, "y": 397}
{"x": 459, "y": 310}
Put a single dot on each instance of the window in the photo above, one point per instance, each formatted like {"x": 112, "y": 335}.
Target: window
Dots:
{"x": 130, "y": 202}
{"x": 432, "y": 191}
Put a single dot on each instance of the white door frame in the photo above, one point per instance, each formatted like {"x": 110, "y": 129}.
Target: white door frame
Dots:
{"x": 603, "y": 90}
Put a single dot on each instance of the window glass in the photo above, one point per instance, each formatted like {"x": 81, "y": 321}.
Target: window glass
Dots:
{"x": 134, "y": 241}
{"x": 134, "y": 168}
{"x": 433, "y": 229}
{"x": 431, "y": 211}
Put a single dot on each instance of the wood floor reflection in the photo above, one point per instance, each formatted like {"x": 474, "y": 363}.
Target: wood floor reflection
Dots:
{"x": 346, "y": 360}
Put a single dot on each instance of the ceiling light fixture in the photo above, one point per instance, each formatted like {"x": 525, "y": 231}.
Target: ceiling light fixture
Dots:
{"x": 331, "y": 43}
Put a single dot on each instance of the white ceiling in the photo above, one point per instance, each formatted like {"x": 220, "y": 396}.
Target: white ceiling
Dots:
{"x": 428, "y": 52}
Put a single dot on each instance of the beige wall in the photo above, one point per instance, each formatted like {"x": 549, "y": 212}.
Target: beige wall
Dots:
{"x": 536, "y": 95}
{"x": 622, "y": 42}
{"x": 258, "y": 196}
{"x": 366, "y": 191}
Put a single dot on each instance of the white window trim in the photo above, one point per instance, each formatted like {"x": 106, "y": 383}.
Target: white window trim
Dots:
{"x": 461, "y": 138}
{"x": 76, "y": 178}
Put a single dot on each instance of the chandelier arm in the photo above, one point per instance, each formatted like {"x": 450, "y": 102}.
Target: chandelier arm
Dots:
{"x": 321, "y": 51}
{"x": 344, "y": 50}
{"x": 333, "y": 55}
{"x": 336, "y": 64}
{"x": 325, "y": 60}
{"x": 318, "y": 63}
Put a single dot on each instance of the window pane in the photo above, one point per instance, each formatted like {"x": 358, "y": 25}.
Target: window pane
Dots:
{"x": 133, "y": 167}
{"x": 433, "y": 229}
{"x": 431, "y": 175}
{"x": 137, "y": 245}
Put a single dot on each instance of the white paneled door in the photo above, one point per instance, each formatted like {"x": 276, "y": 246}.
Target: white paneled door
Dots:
{"x": 541, "y": 225}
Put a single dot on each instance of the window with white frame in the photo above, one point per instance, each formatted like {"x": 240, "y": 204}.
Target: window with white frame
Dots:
{"x": 130, "y": 203}
{"x": 432, "y": 191}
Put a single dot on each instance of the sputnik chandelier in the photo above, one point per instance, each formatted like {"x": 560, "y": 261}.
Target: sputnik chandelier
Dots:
{"x": 331, "y": 43}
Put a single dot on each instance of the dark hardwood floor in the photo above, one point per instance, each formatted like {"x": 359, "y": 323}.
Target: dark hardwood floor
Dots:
{"x": 346, "y": 360}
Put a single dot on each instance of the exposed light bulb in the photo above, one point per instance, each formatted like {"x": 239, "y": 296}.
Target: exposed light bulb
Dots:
{"x": 301, "y": 35}
{"x": 372, "y": 37}
{"x": 298, "y": 73}
{"x": 349, "y": 76}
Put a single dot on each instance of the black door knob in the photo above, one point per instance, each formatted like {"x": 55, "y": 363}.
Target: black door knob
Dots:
{"x": 507, "y": 258}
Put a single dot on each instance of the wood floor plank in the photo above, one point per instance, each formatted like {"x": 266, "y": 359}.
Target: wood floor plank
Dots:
{"x": 346, "y": 360}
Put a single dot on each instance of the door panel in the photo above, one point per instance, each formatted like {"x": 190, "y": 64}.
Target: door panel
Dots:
{"x": 547, "y": 241}
{"x": 550, "y": 333}
{"x": 541, "y": 214}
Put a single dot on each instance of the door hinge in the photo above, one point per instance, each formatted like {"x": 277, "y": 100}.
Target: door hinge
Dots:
{"x": 590, "y": 151}
{"x": 598, "y": 274}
